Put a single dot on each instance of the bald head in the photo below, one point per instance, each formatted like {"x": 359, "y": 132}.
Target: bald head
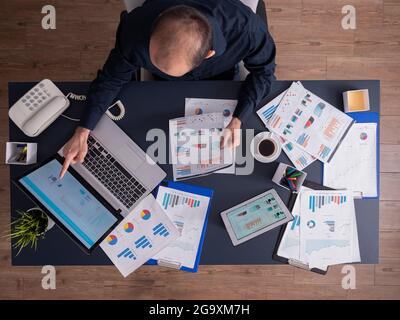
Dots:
{"x": 181, "y": 39}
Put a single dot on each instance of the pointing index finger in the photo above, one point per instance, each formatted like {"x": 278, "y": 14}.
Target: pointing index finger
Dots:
{"x": 64, "y": 169}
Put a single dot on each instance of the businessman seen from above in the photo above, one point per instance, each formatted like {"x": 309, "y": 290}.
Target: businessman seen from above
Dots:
{"x": 182, "y": 40}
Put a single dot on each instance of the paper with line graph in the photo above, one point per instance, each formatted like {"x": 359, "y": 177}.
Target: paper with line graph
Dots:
{"x": 289, "y": 246}
{"x": 309, "y": 122}
{"x": 300, "y": 158}
{"x": 188, "y": 212}
{"x": 140, "y": 235}
{"x": 328, "y": 228}
{"x": 354, "y": 165}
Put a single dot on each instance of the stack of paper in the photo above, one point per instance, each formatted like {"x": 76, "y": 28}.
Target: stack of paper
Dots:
{"x": 323, "y": 231}
{"x": 195, "y": 145}
{"x": 310, "y": 127}
{"x": 197, "y": 106}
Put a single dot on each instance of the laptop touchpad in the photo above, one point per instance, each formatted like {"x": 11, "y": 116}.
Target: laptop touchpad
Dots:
{"x": 128, "y": 157}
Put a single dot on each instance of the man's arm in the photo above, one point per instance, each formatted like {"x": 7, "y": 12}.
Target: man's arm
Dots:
{"x": 115, "y": 73}
{"x": 261, "y": 64}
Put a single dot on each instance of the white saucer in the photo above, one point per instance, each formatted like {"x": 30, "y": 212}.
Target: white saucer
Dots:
{"x": 257, "y": 139}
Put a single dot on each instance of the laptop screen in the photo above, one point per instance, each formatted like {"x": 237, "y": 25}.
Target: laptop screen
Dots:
{"x": 70, "y": 202}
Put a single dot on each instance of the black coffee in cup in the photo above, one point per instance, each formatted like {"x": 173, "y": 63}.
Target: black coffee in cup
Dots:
{"x": 266, "y": 148}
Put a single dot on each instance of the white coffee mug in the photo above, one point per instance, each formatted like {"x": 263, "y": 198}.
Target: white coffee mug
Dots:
{"x": 258, "y": 141}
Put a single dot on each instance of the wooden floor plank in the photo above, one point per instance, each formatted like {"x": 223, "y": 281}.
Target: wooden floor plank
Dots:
{"x": 368, "y": 12}
{"x": 22, "y": 11}
{"x": 300, "y": 67}
{"x": 72, "y": 36}
{"x": 56, "y": 64}
{"x": 89, "y": 10}
{"x": 13, "y": 35}
{"x": 283, "y": 12}
{"x": 92, "y": 59}
{"x": 388, "y": 186}
{"x": 391, "y": 11}
{"x": 307, "y": 40}
{"x": 389, "y": 215}
{"x": 364, "y": 273}
{"x": 389, "y": 244}
{"x": 390, "y": 93}
{"x": 390, "y": 130}
{"x": 390, "y": 155}
{"x": 374, "y": 293}
{"x": 306, "y": 292}
{"x": 387, "y": 273}
{"x": 377, "y": 42}
{"x": 363, "y": 68}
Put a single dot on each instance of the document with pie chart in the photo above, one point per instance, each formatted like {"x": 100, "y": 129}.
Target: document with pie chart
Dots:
{"x": 144, "y": 232}
{"x": 354, "y": 165}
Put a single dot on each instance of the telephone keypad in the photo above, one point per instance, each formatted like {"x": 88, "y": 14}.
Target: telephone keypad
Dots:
{"x": 34, "y": 98}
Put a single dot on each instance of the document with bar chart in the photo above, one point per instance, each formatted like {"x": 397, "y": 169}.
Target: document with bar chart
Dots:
{"x": 289, "y": 247}
{"x": 197, "y": 106}
{"x": 300, "y": 158}
{"x": 309, "y": 122}
{"x": 144, "y": 232}
{"x": 188, "y": 211}
{"x": 195, "y": 145}
{"x": 328, "y": 228}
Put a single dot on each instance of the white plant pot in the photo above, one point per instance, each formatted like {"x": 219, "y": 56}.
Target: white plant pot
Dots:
{"x": 50, "y": 224}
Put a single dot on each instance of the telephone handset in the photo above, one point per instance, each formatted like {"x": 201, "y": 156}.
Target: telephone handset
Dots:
{"x": 43, "y": 104}
{"x": 38, "y": 108}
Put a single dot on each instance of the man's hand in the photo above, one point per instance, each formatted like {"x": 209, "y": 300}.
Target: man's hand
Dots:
{"x": 231, "y": 135}
{"x": 75, "y": 150}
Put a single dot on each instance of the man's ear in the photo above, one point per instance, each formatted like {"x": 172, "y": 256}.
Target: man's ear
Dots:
{"x": 210, "y": 54}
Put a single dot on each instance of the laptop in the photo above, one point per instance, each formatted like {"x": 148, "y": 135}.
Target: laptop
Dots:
{"x": 117, "y": 168}
{"x": 71, "y": 202}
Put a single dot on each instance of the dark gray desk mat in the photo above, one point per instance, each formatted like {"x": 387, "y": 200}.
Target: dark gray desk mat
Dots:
{"x": 150, "y": 105}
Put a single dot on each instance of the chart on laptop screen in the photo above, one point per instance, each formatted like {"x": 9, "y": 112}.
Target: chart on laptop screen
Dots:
{"x": 70, "y": 202}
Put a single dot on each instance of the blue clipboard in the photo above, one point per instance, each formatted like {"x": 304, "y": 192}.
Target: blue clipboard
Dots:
{"x": 369, "y": 117}
{"x": 195, "y": 190}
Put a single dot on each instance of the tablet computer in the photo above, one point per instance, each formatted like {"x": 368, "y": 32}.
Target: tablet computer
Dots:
{"x": 255, "y": 216}
{"x": 71, "y": 202}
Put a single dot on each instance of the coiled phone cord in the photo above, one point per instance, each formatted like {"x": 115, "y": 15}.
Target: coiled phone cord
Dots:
{"x": 82, "y": 97}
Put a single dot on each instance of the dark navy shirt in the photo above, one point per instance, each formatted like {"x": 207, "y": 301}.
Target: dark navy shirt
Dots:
{"x": 238, "y": 34}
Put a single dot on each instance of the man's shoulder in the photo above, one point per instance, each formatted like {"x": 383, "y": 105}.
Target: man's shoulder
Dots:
{"x": 240, "y": 15}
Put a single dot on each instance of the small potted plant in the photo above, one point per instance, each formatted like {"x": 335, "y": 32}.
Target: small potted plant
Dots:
{"x": 31, "y": 225}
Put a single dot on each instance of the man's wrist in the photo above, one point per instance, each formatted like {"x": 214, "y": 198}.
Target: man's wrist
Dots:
{"x": 236, "y": 121}
{"x": 82, "y": 131}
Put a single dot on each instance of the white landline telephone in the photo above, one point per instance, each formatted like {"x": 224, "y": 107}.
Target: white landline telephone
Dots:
{"x": 43, "y": 104}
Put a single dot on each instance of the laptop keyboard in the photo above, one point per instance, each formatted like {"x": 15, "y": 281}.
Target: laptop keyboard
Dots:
{"x": 112, "y": 174}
